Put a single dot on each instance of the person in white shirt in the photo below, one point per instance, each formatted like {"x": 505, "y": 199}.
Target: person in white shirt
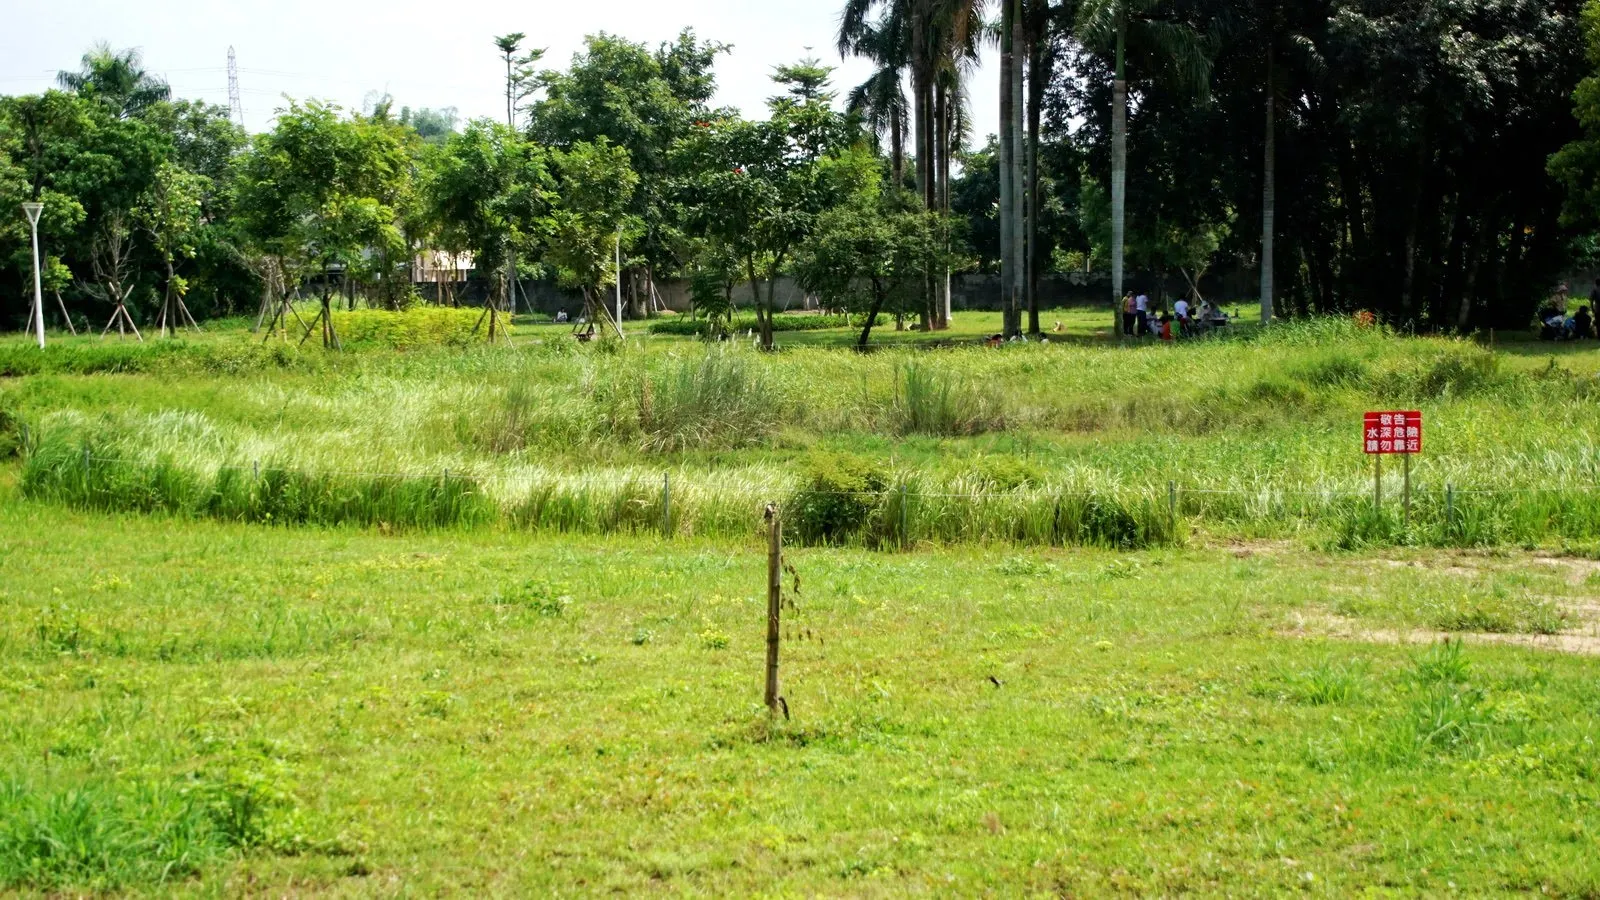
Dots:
{"x": 1181, "y": 309}
{"x": 1141, "y": 305}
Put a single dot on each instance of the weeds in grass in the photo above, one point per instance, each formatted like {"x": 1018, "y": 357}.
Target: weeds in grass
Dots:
{"x": 1259, "y": 449}
{"x": 102, "y": 836}
{"x": 1335, "y": 368}
{"x": 1443, "y": 663}
{"x": 537, "y": 596}
{"x": 111, "y": 835}
{"x": 1497, "y": 612}
{"x": 1328, "y": 684}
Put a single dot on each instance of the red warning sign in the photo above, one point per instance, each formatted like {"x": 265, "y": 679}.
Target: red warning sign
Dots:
{"x": 1391, "y": 433}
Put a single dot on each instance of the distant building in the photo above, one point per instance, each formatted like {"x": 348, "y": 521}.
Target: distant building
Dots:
{"x": 438, "y": 266}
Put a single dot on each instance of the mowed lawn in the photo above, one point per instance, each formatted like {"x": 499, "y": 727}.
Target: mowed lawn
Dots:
{"x": 193, "y": 706}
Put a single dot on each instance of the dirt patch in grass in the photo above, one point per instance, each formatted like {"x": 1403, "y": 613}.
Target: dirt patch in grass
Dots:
{"x": 1584, "y": 641}
{"x": 1577, "y": 571}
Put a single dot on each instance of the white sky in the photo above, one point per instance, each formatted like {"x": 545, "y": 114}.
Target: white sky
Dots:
{"x": 424, "y": 54}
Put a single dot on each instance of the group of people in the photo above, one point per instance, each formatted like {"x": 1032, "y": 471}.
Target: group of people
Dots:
{"x": 1556, "y": 325}
{"x": 1185, "y": 320}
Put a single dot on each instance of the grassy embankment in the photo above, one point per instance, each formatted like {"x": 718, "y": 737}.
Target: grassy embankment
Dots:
{"x": 1079, "y": 442}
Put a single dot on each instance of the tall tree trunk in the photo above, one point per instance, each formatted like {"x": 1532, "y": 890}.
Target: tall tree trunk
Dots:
{"x": 897, "y": 151}
{"x": 1408, "y": 282}
{"x": 1473, "y": 261}
{"x": 1038, "y": 74}
{"x": 1119, "y": 177}
{"x": 765, "y": 318}
{"x": 922, "y": 89}
{"x": 946, "y": 128}
{"x": 879, "y": 293}
{"x": 1269, "y": 198}
{"x": 1018, "y": 177}
{"x": 1009, "y": 274}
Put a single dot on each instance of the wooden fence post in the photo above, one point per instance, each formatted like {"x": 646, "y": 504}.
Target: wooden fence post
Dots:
{"x": 905, "y": 519}
{"x": 1377, "y": 484}
{"x": 774, "y": 600}
{"x": 1408, "y": 490}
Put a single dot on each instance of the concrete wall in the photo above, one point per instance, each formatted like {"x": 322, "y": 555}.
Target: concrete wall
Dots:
{"x": 967, "y": 292}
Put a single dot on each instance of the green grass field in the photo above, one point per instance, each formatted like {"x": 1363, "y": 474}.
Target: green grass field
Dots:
{"x": 239, "y": 655}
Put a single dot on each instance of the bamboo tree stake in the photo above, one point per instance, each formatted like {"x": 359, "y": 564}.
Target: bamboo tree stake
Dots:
{"x": 1377, "y": 484}
{"x": 1408, "y": 490}
{"x": 774, "y": 601}
{"x": 66, "y": 315}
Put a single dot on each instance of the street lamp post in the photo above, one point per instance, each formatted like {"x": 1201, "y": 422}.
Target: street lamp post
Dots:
{"x": 33, "y": 210}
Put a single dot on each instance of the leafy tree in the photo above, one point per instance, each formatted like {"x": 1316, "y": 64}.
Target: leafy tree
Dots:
{"x": 762, "y": 185}
{"x": 594, "y": 189}
{"x": 172, "y": 215}
{"x": 434, "y": 126}
{"x": 488, "y": 191}
{"x": 874, "y": 249}
{"x": 1577, "y": 165}
{"x": 323, "y": 189}
{"x": 647, "y": 102}
{"x": 38, "y": 137}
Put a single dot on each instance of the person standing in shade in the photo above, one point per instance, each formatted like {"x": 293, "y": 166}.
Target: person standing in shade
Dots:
{"x": 1141, "y": 305}
{"x": 1129, "y": 314}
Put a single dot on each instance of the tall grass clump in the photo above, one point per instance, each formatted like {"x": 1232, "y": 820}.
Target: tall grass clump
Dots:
{"x": 1331, "y": 368}
{"x": 715, "y": 400}
{"x": 1473, "y": 518}
{"x": 11, "y": 428}
{"x": 102, "y": 477}
{"x": 525, "y": 415}
{"x": 930, "y": 402}
{"x": 101, "y": 837}
{"x": 846, "y": 499}
{"x": 1458, "y": 370}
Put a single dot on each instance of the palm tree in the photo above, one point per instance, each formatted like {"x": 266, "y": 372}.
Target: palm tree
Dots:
{"x": 881, "y": 99}
{"x": 1111, "y": 25}
{"x": 931, "y": 40}
{"x": 117, "y": 80}
{"x": 1010, "y": 209}
{"x": 508, "y": 45}
{"x": 1038, "y": 22}
{"x": 959, "y": 30}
